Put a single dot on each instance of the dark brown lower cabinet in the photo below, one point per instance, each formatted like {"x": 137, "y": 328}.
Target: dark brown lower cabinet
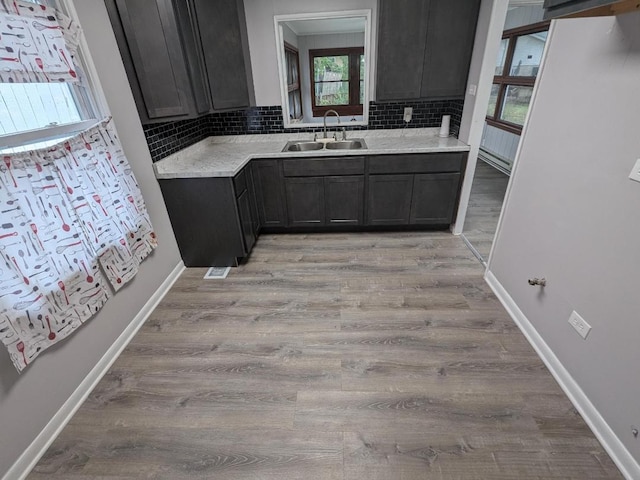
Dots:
{"x": 269, "y": 187}
{"x": 217, "y": 220}
{"x": 419, "y": 199}
{"x": 324, "y": 201}
{"x": 434, "y": 198}
{"x": 305, "y": 201}
{"x": 344, "y": 200}
{"x": 389, "y": 199}
{"x": 205, "y": 220}
{"x": 246, "y": 221}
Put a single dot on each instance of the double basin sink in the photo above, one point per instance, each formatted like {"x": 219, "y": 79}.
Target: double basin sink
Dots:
{"x": 306, "y": 145}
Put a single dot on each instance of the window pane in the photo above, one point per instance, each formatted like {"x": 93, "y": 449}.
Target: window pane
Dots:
{"x": 28, "y": 106}
{"x": 332, "y": 68}
{"x": 292, "y": 67}
{"x": 515, "y": 104}
{"x": 493, "y": 99}
{"x": 527, "y": 55}
{"x": 332, "y": 93}
{"x": 502, "y": 56}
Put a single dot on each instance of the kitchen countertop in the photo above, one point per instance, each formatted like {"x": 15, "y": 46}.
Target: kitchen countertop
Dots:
{"x": 224, "y": 156}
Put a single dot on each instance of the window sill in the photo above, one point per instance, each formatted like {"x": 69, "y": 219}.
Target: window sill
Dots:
{"x": 509, "y": 127}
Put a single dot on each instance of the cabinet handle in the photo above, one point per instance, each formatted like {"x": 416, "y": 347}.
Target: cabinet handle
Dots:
{"x": 538, "y": 281}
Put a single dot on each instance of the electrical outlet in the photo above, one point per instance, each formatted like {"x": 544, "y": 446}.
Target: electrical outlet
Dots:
{"x": 579, "y": 324}
{"x": 472, "y": 89}
{"x": 408, "y": 114}
{"x": 635, "y": 172}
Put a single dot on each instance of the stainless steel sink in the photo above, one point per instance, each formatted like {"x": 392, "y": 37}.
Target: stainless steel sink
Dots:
{"x": 302, "y": 146}
{"x": 353, "y": 144}
{"x": 305, "y": 145}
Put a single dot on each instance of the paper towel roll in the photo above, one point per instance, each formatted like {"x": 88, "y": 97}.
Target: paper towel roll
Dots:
{"x": 444, "y": 126}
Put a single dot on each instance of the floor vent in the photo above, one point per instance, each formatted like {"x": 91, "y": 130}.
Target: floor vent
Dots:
{"x": 217, "y": 273}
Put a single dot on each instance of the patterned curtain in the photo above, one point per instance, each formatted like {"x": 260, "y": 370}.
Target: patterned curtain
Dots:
{"x": 37, "y": 44}
{"x": 73, "y": 222}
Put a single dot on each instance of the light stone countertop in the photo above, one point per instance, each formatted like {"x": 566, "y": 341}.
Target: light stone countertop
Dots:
{"x": 224, "y": 156}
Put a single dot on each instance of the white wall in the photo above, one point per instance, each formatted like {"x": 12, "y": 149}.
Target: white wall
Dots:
{"x": 262, "y": 38}
{"x": 312, "y": 42}
{"x": 289, "y": 36}
{"x": 28, "y": 401}
{"x": 572, "y": 215}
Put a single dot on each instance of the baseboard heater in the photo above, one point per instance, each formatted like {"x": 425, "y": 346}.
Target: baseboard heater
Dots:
{"x": 495, "y": 161}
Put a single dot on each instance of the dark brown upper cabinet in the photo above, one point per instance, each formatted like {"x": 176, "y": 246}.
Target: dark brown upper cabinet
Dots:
{"x": 183, "y": 58}
{"x": 424, "y": 48}
{"x": 222, "y": 28}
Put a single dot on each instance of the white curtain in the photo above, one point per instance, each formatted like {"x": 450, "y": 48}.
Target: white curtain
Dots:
{"x": 73, "y": 222}
{"x": 37, "y": 44}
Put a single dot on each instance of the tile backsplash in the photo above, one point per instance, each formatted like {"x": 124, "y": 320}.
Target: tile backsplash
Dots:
{"x": 170, "y": 137}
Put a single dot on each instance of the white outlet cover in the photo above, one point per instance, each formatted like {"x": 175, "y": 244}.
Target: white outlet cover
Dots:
{"x": 579, "y": 324}
{"x": 472, "y": 89}
{"x": 635, "y": 172}
{"x": 408, "y": 114}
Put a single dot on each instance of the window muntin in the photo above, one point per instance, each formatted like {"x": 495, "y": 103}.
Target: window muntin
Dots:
{"x": 516, "y": 70}
{"x": 493, "y": 100}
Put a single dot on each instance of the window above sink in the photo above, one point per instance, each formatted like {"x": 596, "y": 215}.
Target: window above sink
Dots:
{"x": 324, "y": 63}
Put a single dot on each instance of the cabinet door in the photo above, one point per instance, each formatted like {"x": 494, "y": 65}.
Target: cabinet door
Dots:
{"x": 451, "y": 31}
{"x": 224, "y": 56}
{"x": 244, "y": 209}
{"x": 185, "y": 16}
{"x": 389, "y": 199}
{"x": 253, "y": 204}
{"x": 269, "y": 193}
{"x": 434, "y": 198}
{"x": 402, "y": 31}
{"x": 305, "y": 201}
{"x": 344, "y": 200}
{"x": 204, "y": 217}
{"x": 153, "y": 41}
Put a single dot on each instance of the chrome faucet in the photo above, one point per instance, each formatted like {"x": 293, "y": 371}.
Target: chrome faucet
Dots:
{"x": 344, "y": 132}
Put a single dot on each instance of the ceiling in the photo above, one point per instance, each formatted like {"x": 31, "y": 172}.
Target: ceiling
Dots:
{"x": 327, "y": 25}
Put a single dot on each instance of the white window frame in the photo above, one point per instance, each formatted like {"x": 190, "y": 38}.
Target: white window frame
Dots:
{"x": 93, "y": 106}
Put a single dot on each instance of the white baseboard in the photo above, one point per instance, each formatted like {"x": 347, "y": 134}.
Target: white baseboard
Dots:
{"x": 603, "y": 432}
{"x": 25, "y": 463}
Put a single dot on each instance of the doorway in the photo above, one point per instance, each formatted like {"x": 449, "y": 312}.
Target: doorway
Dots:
{"x": 523, "y": 40}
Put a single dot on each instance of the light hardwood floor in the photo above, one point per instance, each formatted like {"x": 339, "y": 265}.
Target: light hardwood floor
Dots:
{"x": 485, "y": 203}
{"x": 355, "y": 356}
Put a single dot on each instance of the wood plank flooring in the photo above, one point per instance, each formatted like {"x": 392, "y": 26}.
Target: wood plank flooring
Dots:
{"x": 355, "y": 356}
{"x": 485, "y": 203}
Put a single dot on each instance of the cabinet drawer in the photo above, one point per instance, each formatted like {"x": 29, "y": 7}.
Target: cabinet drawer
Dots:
{"x": 240, "y": 182}
{"x": 417, "y": 163}
{"x": 314, "y": 167}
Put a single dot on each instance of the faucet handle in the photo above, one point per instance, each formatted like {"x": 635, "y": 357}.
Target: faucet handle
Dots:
{"x": 315, "y": 136}
{"x": 344, "y": 133}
